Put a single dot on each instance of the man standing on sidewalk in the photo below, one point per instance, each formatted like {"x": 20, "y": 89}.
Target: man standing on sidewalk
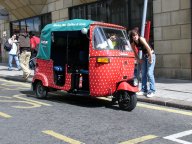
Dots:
{"x": 25, "y": 53}
{"x": 13, "y": 52}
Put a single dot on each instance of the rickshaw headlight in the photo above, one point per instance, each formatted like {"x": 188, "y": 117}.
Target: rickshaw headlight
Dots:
{"x": 135, "y": 82}
{"x": 103, "y": 60}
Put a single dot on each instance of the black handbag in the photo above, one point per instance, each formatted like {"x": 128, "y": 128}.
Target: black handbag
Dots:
{"x": 7, "y": 46}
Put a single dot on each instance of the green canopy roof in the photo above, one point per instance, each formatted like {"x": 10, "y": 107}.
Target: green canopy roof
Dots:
{"x": 68, "y": 25}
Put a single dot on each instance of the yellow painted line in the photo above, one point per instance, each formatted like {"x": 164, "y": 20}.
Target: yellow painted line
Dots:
{"x": 29, "y": 100}
{"x": 5, "y": 115}
{"x": 148, "y": 106}
{"x": 61, "y": 137}
{"x": 104, "y": 98}
{"x": 13, "y": 82}
{"x": 34, "y": 105}
{"x": 11, "y": 101}
{"x": 165, "y": 109}
{"x": 138, "y": 140}
{"x": 7, "y": 88}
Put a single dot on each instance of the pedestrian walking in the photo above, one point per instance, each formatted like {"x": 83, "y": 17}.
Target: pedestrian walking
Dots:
{"x": 34, "y": 44}
{"x": 147, "y": 63}
{"x": 25, "y": 53}
{"x": 13, "y": 53}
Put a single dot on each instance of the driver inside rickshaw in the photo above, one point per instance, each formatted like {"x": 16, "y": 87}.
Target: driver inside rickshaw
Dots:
{"x": 110, "y": 43}
{"x": 110, "y": 39}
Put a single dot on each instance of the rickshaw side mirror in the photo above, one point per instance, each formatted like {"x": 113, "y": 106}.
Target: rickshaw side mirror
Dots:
{"x": 84, "y": 30}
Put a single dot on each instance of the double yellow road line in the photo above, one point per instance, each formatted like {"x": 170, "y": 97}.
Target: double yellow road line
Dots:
{"x": 4, "y": 115}
{"x": 62, "y": 137}
{"x": 72, "y": 141}
{"x": 140, "y": 139}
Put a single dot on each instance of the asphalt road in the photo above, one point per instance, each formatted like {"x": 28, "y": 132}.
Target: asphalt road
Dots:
{"x": 62, "y": 118}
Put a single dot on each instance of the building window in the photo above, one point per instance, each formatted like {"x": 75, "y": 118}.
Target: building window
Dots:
{"x": 34, "y": 24}
{"x": 45, "y": 19}
{"x": 127, "y": 13}
{"x": 37, "y": 24}
{"x": 15, "y": 27}
{"x": 79, "y": 12}
{"x": 97, "y": 11}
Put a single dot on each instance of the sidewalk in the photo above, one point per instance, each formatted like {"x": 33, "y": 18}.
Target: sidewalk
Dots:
{"x": 170, "y": 92}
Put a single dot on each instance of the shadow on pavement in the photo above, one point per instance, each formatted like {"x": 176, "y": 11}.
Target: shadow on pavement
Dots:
{"x": 83, "y": 101}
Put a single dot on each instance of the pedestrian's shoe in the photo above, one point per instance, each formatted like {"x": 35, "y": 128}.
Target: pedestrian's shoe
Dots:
{"x": 150, "y": 94}
{"x": 9, "y": 69}
{"x": 26, "y": 77}
{"x": 141, "y": 93}
{"x": 19, "y": 69}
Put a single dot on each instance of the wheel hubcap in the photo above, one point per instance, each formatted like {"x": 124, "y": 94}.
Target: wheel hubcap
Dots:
{"x": 40, "y": 89}
{"x": 124, "y": 99}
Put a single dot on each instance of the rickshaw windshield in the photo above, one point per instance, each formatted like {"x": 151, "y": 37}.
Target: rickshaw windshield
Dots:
{"x": 110, "y": 39}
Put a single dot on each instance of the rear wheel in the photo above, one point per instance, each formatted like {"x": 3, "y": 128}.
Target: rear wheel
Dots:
{"x": 127, "y": 100}
{"x": 40, "y": 90}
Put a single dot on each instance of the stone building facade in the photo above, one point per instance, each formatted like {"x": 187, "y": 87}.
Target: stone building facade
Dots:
{"x": 171, "y": 29}
{"x": 172, "y": 38}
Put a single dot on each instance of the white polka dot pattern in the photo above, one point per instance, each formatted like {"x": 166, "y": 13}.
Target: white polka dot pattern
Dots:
{"x": 44, "y": 73}
{"x": 104, "y": 77}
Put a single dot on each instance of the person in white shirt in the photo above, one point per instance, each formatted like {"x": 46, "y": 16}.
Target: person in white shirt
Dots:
{"x": 110, "y": 43}
{"x": 13, "y": 53}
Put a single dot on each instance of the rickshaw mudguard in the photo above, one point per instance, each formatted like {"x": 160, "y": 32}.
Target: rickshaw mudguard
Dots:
{"x": 126, "y": 86}
{"x": 41, "y": 77}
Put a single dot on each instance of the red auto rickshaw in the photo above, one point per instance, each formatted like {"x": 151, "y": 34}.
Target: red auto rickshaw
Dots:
{"x": 78, "y": 56}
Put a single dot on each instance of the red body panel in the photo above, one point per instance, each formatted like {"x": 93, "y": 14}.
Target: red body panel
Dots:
{"x": 44, "y": 72}
{"x": 103, "y": 78}
{"x": 127, "y": 86}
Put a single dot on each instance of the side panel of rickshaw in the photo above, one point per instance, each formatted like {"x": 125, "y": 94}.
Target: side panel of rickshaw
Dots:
{"x": 61, "y": 70}
{"x": 46, "y": 75}
{"x": 57, "y": 73}
{"x": 104, "y": 77}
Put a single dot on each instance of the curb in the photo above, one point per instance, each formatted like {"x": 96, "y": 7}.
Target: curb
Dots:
{"x": 166, "y": 102}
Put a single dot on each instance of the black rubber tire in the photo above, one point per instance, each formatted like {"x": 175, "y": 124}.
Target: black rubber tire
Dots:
{"x": 127, "y": 100}
{"x": 40, "y": 90}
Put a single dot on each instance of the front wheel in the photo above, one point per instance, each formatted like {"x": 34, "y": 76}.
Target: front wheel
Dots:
{"x": 40, "y": 90}
{"x": 126, "y": 100}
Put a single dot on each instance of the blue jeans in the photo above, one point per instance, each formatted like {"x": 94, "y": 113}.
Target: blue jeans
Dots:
{"x": 11, "y": 60}
{"x": 147, "y": 71}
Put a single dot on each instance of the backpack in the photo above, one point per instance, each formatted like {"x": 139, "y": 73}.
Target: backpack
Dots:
{"x": 7, "y": 46}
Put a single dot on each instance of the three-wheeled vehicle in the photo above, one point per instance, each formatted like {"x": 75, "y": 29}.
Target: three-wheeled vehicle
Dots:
{"x": 78, "y": 56}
